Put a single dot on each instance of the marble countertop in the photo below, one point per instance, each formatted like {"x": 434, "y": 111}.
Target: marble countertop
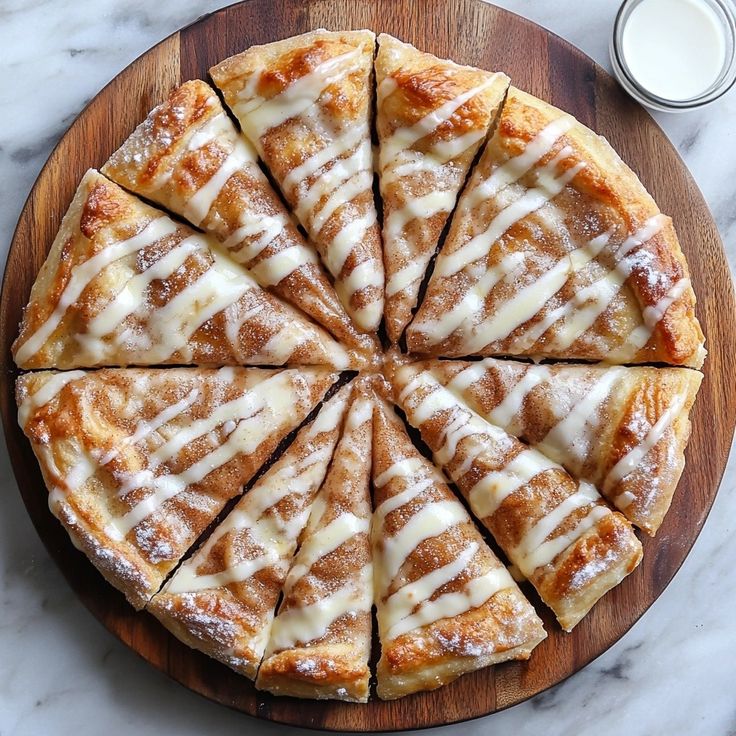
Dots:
{"x": 62, "y": 673}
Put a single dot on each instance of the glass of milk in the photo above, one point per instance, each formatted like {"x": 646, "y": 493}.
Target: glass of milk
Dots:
{"x": 675, "y": 55}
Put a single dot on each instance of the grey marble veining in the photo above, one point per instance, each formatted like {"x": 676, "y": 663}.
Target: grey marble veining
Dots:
{"x": 61, "y": 673}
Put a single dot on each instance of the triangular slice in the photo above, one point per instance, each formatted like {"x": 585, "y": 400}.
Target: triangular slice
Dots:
{"x": 189, "y": 157}
{"x": 321, "y": 638}
{"x": 559, "y": 533}
{"x": 305, "y": 104}
{"x": 446, "y": 605}
{"x": 557, "y": 250}
{"x": 124, "y": 284}
{"x": 138, "y": 462}
{"x": 222, "y": 599}
{"x": 432, "y": 116}
{"x": 622, "y": 429}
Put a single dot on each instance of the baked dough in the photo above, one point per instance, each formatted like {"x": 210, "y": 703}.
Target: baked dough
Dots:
{"x": 558, "y": 533}
{"x": 138, "y": 462}
{"x": 623, "y": 429}
{"x": 305, "y": 104}
{"x": 432, "y": 116}
{"x": 222, "y": 599}
{"x": 321, "y": 638}
{"x": 189, "y": 157}
{"x": 124, "y": 284}
{"x": 557, "y": 250}
{"x": 446, "y": 605}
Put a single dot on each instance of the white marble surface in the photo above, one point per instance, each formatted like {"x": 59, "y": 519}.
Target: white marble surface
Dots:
{"x": 61, "y": 673}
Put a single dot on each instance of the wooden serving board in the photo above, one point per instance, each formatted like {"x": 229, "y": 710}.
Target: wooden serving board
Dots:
{"x": 471, "y": 32}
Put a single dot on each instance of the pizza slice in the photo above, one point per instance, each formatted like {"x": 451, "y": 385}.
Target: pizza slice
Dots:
{"x": 432, "y": 116}
{"x": 188, "y": 157}
{"x": 222, "y": 599}
{"x": 138, "y": 462}
{"x": 559, "y": 533}
{"x": 446, "y": 604}
{"x": 305, "y": 104}
{"x": 321, "y": 637}
{"x": 557, "y": 250}
{"x": 124, "y": 284}
{"x": 623, "y": 429}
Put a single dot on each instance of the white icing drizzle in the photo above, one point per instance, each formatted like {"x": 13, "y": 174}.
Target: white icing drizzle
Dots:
{"x": 344, "y": 241}
{"x": 467, "y": 377}
{"x": 471, "y": 302}
{"x": 146, "y": 428}
{"x": 218, "y": 127}
{"x": 406, "y": 137}
{"x": 276, "y": 268}
{"x": 348, "y": 176}
{"x": 475, "y": 593}
{"x": 410, "y": 607}
{"x": 398, "y": 606}
{"x": 546, "y": 552}
{"x": 353, "y": 138}
{"x": 258, "y": 115}
{"x": 404, "y": 277}
{"x": 343, "y": 192}
{"x": 548, "y": 186}
{"x": 401, "y": 499}
{"x": 325, "y": 541}
{"x": 505, "y": 413}
{"x": 54, "y": 384}
{"x": 187, "y": 581}
{"x": 400, "y": 469}
{"x": 255, "y": 414}
{"x": 129, "y": 298}
{"x": 519, "y": 309}
{"x": 170, "y": 327}
{"x": 449, "y": 149}
{"x": 629, "y": 462}
{"x": 589, "y": 302}
{"x": 624, "y": 500}
{"x": 199, "y": 204}
{"x": 430, "y": 521}
{"x": 85, "y": 272}
{"x": 492, "y": 489}
{"x": 639, "y": 336}
{"x": 277, "y": 536}
{"x": 570, "y": 437}
{"x": 268, "y": 227}
{"x": 304, "y": 624}
{"x": 487, "y": 495}
{"x": 517, "y": 166}
{"x": 420, "y": 207}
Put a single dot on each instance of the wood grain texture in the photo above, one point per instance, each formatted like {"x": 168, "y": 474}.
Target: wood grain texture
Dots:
{"x": 470, "y": 32}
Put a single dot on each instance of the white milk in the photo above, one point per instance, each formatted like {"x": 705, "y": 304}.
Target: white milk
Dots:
{"x": 675, "y": 49}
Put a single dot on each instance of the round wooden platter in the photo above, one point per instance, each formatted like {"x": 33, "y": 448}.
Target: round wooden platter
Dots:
{"x": 471, "y": 32}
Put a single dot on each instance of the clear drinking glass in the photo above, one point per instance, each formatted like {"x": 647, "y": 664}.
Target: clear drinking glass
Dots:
{"x": 725, "y": 80}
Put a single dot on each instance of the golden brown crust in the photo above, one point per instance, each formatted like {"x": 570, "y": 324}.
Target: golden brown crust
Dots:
{"x": 501, "y": 625}
{"x": 645, "y": 315}
{"x": 316, "y": 143}
{"x": 320, "y": 640}
{"x": 128, "y": 490}
{"x": 125, "y": 285}
{"x": 609, "y": 412}
{"x": 179, "y": 151}
{"x": 410, "y": 86}
{"x": 560, "y": 533}
{"x": 222, "y": 599}
{"x": 322, "y": 672}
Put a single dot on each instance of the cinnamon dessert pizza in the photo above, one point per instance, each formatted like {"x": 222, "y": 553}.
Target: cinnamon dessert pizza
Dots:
{"x": 262, "y": 412}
